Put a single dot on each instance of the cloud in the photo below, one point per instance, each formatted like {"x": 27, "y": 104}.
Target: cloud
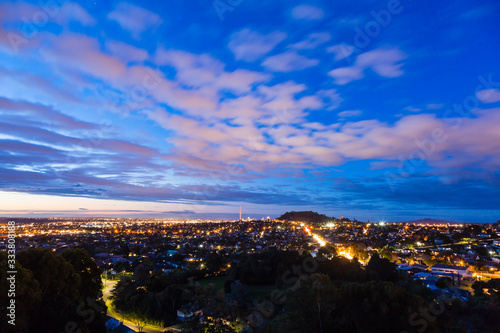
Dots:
{"x": 331, "y": 97}
{"x": 312, "y": 41}
{"x": 489, "y": 95}
{"x": 72, "y": 11}
{"x": 288, "y": 62}
{"x": 54, "y": 12}
{"x": 22, "y": 153}
{"x": 192, "y": 69}
{"x": 345, "y": 75}
{"x": 341, "y": 51}
{"x": 412, "y": 109}
{"x": 179, "y": 212}
{"x": 250, "y": 45}
{"x": 350, "y": 113}
{"x": 134, "y": 19}
{"x": 126, "y": 52}
{"x": 205, "y": 71}
{"x": 240, "y": 81}
{"x": 42, "y": 113}
{"x": 384, "y": 62}
{"x": 307, "y": 12}
{"x": 434, "y": 106}
{"x": 83, "y": 53}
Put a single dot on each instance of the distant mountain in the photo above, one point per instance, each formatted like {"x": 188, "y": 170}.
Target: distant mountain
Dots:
{"x": 309, "y": 216}
{"x": 429, "y": 221}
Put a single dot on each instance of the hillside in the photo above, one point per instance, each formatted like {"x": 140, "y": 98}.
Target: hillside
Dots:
{"x": 305, "y": 216}
{"x": 429, "y": 221}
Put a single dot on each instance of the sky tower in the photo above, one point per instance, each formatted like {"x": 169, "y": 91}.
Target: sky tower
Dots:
{"x": 240, "y": 213}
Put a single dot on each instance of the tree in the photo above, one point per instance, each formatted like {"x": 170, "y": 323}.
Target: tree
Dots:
{"x": 327, "y": 251}
{"x": 376, "y": 306}
{"x": 196, "y": 324}
{"x": 54, "y": 295}
{"x": 141, "y": 275}
{"x": 122, "y": 266}
{"x": 312, "y": 303}
{"x": 214, "y": 262}
{"x": 139, "y": 324}
{"x": 28, "y": 296}
{"x": 359, "y": 250}
{"x": 239, "y": 293}
{"x": 382, "y": 269}
{"x": 86, "y": 268}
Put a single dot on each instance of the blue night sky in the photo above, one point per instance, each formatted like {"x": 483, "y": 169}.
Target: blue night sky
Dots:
{"x": 381, "y": 110}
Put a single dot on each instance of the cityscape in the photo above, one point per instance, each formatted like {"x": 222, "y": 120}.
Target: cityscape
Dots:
{"x": 220, "y": 275}
{"x": 232, "y": 166}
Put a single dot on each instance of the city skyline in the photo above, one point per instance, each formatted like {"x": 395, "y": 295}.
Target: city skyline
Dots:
{"x": 387, "y": 111}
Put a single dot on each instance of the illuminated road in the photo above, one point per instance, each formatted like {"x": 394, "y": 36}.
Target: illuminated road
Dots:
{"x": 488, "y": 275}
{"x": 323, "y": 242}
{"x": 110, "y": 285}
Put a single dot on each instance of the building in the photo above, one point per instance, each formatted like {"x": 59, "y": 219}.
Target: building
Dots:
{"x": 450, "y": 269}
{"x": 456, "y": 273}
{"x": 115, "y": 326}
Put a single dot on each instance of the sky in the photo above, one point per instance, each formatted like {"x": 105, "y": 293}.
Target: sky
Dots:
{"x": 374, "y": 110}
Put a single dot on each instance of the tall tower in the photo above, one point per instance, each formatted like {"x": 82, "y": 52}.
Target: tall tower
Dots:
{"x": 240, "y": 213}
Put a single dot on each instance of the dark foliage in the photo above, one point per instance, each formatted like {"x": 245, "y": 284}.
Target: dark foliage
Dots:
{"x": 55, "y": 292}
{"x": 307, "y": 216}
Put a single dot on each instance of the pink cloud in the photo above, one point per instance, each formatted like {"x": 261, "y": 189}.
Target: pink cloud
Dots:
{"x": 288, "y": 62}
{"x": 350, "y": 113}
{"x": 126, "y": 52}
{"x": 307, "y": 12}
{"x": 312, "y": 41}
{"x": 345, "y": 75}
{"x": 204, "y": 71}
{"x": 384, "y": 62}
{"x": 52, "y": 11}
{"x": 83, "y": 53}
{"x": 282, "y": 89}
{"x": 341, "y": 51}
{"x": 71, "y": 11}
{"x": 126, "y": 147}
{"x": 192, "y": 101}
{"x": 134, "y": 19}
{"x": 412, "y": 109}
{"x": 250, "y": 45}
{"x": 489, "y": 95}
{"x": 241, "y": 80}
{"x": 368, "y": 139}
{"x": 42, "y": 112}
